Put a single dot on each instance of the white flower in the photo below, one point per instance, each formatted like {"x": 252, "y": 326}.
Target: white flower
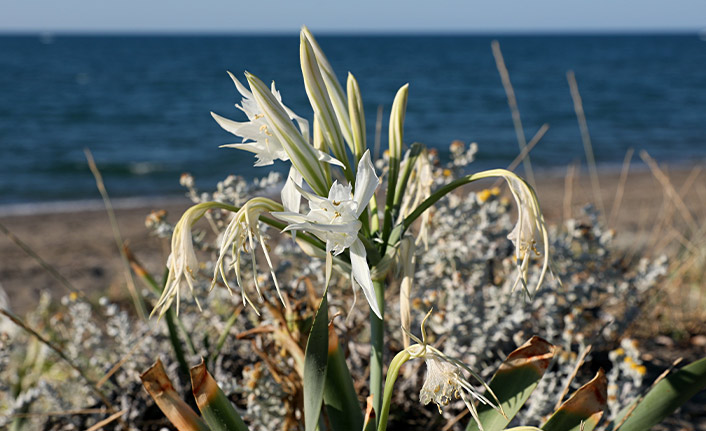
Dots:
{"x": 241, "y": 234}
{"x": 334, "y": 220}
{"x": 257, "y": 133}
{"x": 182, "y": 262}
{"x": 529, "y": 230}
{"x": 445, "y": 380}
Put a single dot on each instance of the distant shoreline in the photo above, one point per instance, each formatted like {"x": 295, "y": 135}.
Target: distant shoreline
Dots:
{"x": 76, "y": 238}
{"x": 13, "y": 209}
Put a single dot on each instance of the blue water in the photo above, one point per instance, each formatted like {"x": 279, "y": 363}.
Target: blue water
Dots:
{"x": 141, "y": 104}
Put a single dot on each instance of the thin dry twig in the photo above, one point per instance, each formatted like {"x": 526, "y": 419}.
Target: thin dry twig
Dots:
{"x": 107, "y": 420}
{"x": 136, "y": 298}
{"x": 512, "y": 102}
{"x": 621, "y": 188}
{"x": 586, "y": 138}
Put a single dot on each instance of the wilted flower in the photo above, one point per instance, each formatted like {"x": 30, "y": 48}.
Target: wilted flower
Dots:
{"x": 334, "y": 220}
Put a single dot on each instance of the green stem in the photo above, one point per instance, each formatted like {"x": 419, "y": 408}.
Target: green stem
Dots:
{"x": 377, "y": 344}
{"x": 444, "y": 190}
{"x": 224, "y": 333}
{"x": 375, "y": 220}
{"x": 176, "y": 343}
{"x": 392, "y": 373}
{"x": 414, "y": 153}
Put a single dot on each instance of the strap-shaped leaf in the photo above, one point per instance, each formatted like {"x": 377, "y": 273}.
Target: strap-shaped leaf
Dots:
{"x": 583, "y": 410}
{"x": 513, "y": 383}
{"x": 315, "y": 366}
{"x": 340, "y": 398}
{"x": 665, "y": 397}
{"x": 160, "y": 388}
{"x": 215, "y": 407}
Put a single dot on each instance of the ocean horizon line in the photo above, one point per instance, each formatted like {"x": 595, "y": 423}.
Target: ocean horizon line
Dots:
{"x": 599, "y": 32}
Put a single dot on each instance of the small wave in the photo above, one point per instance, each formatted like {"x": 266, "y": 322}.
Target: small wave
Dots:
{"x": 144, "y": 168}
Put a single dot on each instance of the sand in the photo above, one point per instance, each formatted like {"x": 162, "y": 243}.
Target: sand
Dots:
{"x": 78, "y": 241}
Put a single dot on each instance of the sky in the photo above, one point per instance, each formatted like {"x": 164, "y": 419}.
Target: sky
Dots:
{"x": 364, "y": 16}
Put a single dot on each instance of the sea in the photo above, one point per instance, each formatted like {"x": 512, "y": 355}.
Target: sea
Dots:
{"x": 141, "y": 104}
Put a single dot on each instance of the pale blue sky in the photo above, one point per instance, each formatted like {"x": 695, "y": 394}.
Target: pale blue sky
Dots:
{"x": 237, "y": 16}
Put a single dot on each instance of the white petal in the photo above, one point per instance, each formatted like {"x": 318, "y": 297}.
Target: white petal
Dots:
{"x": 229, "y": 125}
{"x": 339, "y": 192}
{"x": 291, "y": 197}
{"x": 366, "y": 182}
{"x": 241, "y": 88}
{"x": 361, "y": 274}
{"x": 327, "y": 158}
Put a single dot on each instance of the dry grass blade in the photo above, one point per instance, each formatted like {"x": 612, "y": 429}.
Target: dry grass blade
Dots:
{"x": 136, "y": 298}
{"x": 525, "y": 152}
{"x": 43, "y": 263}
{"x": 512, "y": 102}
{"x": 107, "y": 420}
{"x": 62, "y": 413}
{"x": 586, "y": 138}
{"x": 621, "y": 188}
{"x": 567, "y": 384}
{"x": 124, "y": 359}
{"x": 569, "y": 190}
{"x": 661, "y": 377}
{"x": 17, "y": 321}
{"x": 669, "y": 190}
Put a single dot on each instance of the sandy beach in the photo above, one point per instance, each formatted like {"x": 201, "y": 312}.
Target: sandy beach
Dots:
{"x": 78, "y": 241}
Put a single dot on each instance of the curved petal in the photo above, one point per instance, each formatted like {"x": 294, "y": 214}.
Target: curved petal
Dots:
{"x": 361, "y": 274}
{"x": 366, "y": 182}
{"x": 291, "y": 197}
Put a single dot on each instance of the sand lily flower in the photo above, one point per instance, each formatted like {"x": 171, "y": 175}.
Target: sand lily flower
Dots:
{"x": 257, "y": 133}
{"x": 242, "y": 233}
{"x": 334, "y": 220}
{"x": 528, "y": 231}
{"x": 270, "y": 134}
{"x": 182, "y": 262}
{"x": 445, "y": 379}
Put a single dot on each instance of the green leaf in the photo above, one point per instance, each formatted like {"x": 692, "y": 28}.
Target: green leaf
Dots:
{"x": 665, "y": 397}
{"x": 583, "y": 410}
{"x": 315, "y": 365}
{"x": 340, "y": 398}
{"x": 215, "y": 407}
{"x": 513, "y": 383}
